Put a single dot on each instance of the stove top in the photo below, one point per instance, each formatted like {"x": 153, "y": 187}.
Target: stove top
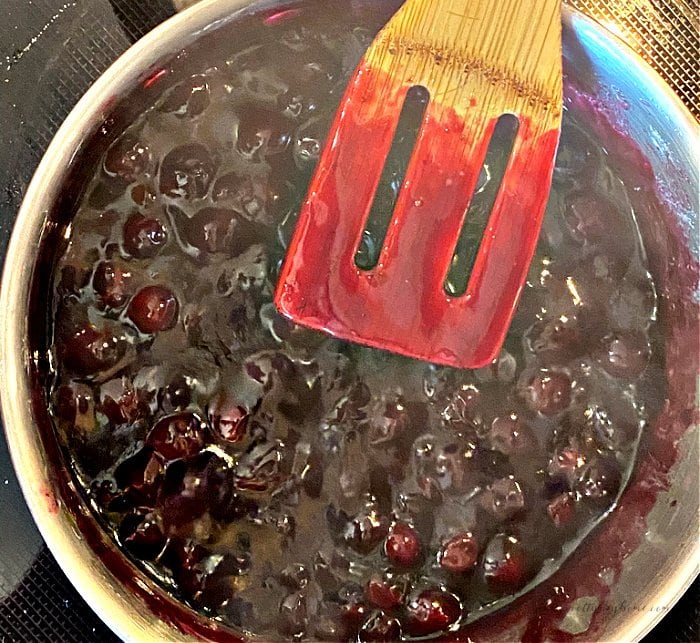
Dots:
{"x": 50, "y": 51}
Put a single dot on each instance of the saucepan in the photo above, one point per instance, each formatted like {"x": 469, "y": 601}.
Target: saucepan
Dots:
{"x": 644, "y": 556}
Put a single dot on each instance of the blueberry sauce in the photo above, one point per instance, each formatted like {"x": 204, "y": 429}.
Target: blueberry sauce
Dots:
{"x": 287, "y": 483}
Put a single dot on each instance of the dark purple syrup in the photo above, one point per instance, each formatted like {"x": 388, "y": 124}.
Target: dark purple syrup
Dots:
{"x": 294, "y": 485}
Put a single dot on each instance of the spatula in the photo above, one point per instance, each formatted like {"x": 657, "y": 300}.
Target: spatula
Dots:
{"x": 478, "y": 59}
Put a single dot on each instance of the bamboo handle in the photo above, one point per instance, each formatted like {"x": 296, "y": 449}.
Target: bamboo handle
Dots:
{"x": 510, "y": 42}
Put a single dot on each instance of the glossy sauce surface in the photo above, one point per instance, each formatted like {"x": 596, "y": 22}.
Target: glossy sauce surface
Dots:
{"x": 294, "y": 485}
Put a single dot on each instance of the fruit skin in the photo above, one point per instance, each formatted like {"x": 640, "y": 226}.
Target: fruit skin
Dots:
{"x": 549, "y": 392}
{"x": 402, "y": 546}
{"x": 262, "y": 128}
{"x": 460, "y": 553}
{"x": 88, "y": 350}
{"x": 175, "y": 396}
{"x": 562, "y": 510}
{"x": 624, "y": 355}
{"x": 599, "y": 479}
{"x": 188, "y": 99}
{"x": 503, "y": 498}
{"x": 557, "y": 340}
{"x": 144, "y": 236}
{"x": 504, "y": 564}
{"x": 220, "y": 230}
{"x": 75, "y": 405}
{"x": 187, "y": 171}
{"x": 362, "y": 532}
{"x": 199, "y": 484}
{"x": 141, "y": 535}
{"x": 511, "y": 436}
{"x": 140, "y": 476}
{"x": 432, "y": 611}
{"x": 178, "y": 436}
{"x": 153, "y": 309}
{"x": 111, "y": 282}
{"x": 382, "y": 594}
{"x": 230, "y": 423}
{"x": 126, "y": 159}
{"x": 121, "y": 402}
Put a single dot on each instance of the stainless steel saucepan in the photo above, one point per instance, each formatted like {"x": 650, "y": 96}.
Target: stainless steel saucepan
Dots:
{"x": 659, "y": 553}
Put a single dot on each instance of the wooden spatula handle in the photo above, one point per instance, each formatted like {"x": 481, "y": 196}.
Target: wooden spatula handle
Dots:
{"x": 514, "y": 44}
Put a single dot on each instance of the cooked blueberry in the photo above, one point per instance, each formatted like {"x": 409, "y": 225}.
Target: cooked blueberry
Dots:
{"x": 279, "y": 197}
{"x": 354, "y": 611}
{"x": 556, "y": 340}
{"x": 153, "y": 309}
{"x": 562, "y": 510}
{"x": 220, "y": 230}
{"x": 363, "y": 532}
{"x": 262, "y": 128}
{"x": 140, "y": 475}
{"x": 460, "y": 553}
{"x": 295, "y": 576}
{"x": 600, "y": 478}
{"x": 504, "y": 498}
{"x": 187, "y": 171}
{"x": 402, "y": 546}
{"x": 191, "y": 488}
{"x": 308, "y": 141}
{"x": 73, "y": 278}
{"x": 625, "y": 354}
{"x": 390, "y": 423}
{"x": 219, "y": 572}
{"x": 176, "y": 396}
{"x": 121, "y": 402}
{"x": 178, "y": 436}
{"x": 510, "y": 435}
{"x": 142, "y": 194}
{"x": 144, "y": 236}
{"x": 141, "y": 535}
{"x": 112, "y": 283}
{"x": 503, "y": 564}
{"x": 188, "y": 99}
{"x": 75, "y": 405}
{"x": 383, "y": 594}
{"x": 431, "y": 612}
{"x": 87, "y": 350}
{"x": 293, "y": 614}
{"x": 328, "y": 624}
{"x": 127, "y": 158}
{"x": 313, "y": 76}
{"x": 201, "y": 575}
{"x": 258, "y": 469}
{"x": 461, "y": 408}
{"x": 185, "y": 558}
{"x": 230, "y": 422}
{"x": 549, "y": 392}
{"x": 233, "y": 187}
{"x": 565, "y": 463}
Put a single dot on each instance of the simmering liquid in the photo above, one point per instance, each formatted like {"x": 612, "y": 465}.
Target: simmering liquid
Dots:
{"x": 293, "y": 485}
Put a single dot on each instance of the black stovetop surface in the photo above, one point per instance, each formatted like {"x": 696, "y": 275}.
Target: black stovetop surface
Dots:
{"x": 50, "y": 51}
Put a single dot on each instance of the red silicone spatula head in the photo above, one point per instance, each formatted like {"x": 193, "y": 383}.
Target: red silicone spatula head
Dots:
{"x": 478, "y": 59}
